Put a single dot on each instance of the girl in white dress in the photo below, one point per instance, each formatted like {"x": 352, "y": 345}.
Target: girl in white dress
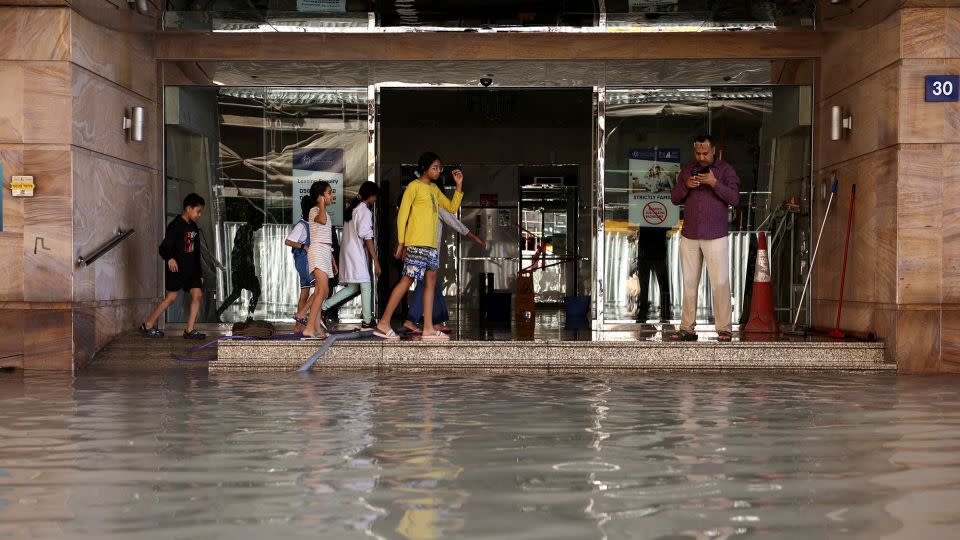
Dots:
{"x": 357, "y": 243}
{"x": 320, "y": 255}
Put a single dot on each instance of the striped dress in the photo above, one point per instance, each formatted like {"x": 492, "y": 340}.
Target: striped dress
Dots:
{"x": 320, "y": 252}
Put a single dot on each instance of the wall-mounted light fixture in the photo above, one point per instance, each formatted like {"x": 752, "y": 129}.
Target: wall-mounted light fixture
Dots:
{"x": 133, "y": 124}
{"x": 841, "y": 122}
{"x": 142, "y": 5}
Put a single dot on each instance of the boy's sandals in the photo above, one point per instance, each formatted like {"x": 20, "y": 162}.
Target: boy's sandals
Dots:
{"x": 193, "y": 334}
{"x": 435, "y": 336}
{"x": 389, "y": 334}
{"x": 151, "y": 332}
{"x": 724, "y": 336}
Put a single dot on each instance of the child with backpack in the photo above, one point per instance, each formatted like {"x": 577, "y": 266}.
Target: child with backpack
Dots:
{"x": 299, "y": 240}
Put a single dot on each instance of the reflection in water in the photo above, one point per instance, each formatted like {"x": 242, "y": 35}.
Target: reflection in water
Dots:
{"x": 421, "y": 456}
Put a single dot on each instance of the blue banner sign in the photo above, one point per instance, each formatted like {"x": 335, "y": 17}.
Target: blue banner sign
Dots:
{"x": 942, "y": 88}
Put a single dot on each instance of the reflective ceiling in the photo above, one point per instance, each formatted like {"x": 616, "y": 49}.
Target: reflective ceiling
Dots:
{"x": 487, "y": 15}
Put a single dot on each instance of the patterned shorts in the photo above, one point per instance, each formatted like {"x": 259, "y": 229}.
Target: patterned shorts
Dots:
{"x": 418, "y": 259}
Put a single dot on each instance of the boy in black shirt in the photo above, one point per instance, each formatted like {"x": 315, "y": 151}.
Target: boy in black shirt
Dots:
{"x": 181, "y": 252}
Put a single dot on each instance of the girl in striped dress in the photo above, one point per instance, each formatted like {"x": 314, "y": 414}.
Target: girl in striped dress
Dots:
{"x": 320, "y": 256}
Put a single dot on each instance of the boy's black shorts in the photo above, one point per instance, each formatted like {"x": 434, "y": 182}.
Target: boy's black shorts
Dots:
{"x": 181, "y": 281}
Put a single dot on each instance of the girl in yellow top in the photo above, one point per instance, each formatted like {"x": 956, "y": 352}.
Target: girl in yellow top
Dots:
{"x": 417, "y": 237}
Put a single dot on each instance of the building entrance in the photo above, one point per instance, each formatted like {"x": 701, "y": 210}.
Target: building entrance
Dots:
{"x": 527, "y": 160}
{"x": 568, "y": 170}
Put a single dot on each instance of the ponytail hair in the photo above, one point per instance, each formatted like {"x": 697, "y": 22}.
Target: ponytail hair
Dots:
{"x": 306, "y": 203}
{"x": 367, "y": 189}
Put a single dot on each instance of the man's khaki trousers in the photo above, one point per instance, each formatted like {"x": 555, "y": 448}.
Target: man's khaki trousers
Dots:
{"x": 716, "y": 253}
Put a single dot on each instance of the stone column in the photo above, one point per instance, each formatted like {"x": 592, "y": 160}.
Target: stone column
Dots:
{"x": 66, "y": 84}
{"x": 903, "y": 275}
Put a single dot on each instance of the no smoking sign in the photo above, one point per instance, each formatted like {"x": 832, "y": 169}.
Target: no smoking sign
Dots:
{"x": 654, "y": 213}
{"x": 653, "y": 210}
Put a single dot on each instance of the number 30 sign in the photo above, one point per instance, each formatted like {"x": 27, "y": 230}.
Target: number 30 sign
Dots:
{"x": 942, "y": 88}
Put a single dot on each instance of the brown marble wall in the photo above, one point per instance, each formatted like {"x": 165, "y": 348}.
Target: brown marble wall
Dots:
{"x": 68, "y": 82}
{"x": 116, "y": 182}
{"x": 904, "y": 266}
{"x": 111, "y": 193}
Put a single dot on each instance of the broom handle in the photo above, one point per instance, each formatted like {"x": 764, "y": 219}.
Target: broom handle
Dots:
{"x": 846, "y": 246}
{"x": 803, "y": 294}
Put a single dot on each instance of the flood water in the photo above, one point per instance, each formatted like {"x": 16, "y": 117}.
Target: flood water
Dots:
{"x": 186, "y": 454}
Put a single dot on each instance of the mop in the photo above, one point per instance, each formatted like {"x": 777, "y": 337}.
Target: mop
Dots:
{"x": 331, "y": 339}
{"x": 836, "y": 332}
{"x": 806, "y": 283}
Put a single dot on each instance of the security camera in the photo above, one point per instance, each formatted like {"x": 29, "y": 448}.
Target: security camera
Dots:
{"x": 486, "y": 81}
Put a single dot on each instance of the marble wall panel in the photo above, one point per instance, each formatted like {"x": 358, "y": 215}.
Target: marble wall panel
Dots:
{"x": 11, "y": 271}
{"x": 874, "y": 48}
{"x": 873, "y": 104}
{"x": 48, "y": 339}
{"x": 110, "y": 193}
{"x": 923, "y": 33}
{"x": 11, "y": 338}
{"x": 11, "y": 239}
{"x": 951, "y": 223}
{"x": 885, "y": 328}
{"x": 855, "y": 316}
{"x": 35, "y": 102}
{"x": 918, "y": 341}
{"x": 123, "y": 58}
{"x": 950, "y": 341}
{"x": 11, "y": 156}
{"x": 919, "y": 259}
{"x": 953, "y": 32}
{"x": 871, "y": 267}
{"x": 84, "y": 335}
{"x": 99, "y": 107}
{"x": 11, "y": 102}
{"x": 920, "y": 187}
{"x": 48, "y": 263}
{"x": 921, "y": 122}
{"x": 34, "y": 33}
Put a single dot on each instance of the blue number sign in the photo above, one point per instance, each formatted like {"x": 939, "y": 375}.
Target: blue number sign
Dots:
{"x": 942, "y": 88}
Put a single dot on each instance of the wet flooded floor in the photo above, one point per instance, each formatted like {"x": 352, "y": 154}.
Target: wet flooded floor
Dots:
{"x": 182, "y": 453}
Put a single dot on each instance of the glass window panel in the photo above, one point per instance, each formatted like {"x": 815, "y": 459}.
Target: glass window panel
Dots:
{"x": 763, "y": 132}
{"x": 268, "y": 142}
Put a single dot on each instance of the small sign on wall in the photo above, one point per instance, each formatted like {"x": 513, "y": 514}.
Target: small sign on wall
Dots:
{"x": 942, "y": 88}
{"x": 653, "y": 210}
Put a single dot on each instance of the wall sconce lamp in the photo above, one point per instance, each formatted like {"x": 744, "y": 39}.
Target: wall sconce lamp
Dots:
{"x": 141, "y": 5}
{"x": 840, "y": 124}
{"x": 133, "y": 124}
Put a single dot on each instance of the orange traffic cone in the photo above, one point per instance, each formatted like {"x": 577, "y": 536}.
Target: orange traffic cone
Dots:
{"x": 762, "y": 318}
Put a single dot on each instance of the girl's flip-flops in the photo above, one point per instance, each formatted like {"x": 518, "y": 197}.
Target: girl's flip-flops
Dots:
{"x": 389, "y": 334}
{"x": 435, "y": 336}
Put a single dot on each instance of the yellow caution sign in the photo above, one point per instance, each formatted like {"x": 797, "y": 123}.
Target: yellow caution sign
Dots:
{"x": 22, "y": 186}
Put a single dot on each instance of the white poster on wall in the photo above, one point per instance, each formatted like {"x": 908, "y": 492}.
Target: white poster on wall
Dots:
{"x": 314, "y": 164}
{"x": 652, "y": 174}
{"x": 653, "y": 169}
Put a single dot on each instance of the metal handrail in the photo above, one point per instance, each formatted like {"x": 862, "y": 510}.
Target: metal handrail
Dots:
{"x": 112, "y": 243}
